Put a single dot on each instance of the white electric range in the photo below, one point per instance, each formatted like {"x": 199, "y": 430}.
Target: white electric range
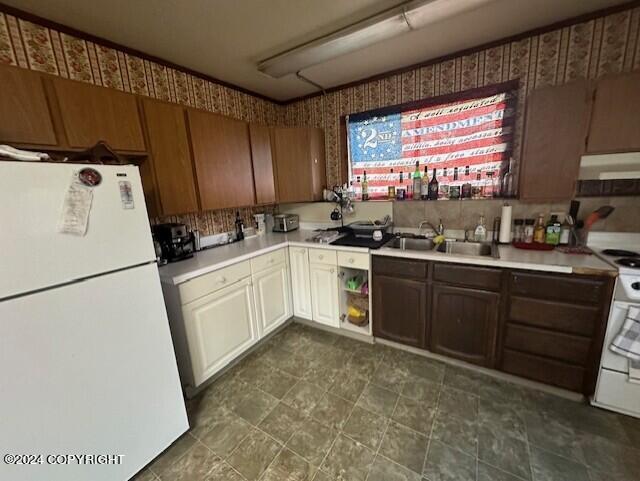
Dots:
{"x": 614, "y": 391}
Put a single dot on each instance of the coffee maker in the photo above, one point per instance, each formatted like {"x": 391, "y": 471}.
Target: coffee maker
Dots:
{"x": 176, "y": 243}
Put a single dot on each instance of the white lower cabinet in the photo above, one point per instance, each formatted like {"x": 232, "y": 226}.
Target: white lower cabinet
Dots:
{"x": 300, "y": 282}
{"x": 219, "y": 327}
{"x": 272, "y": 294}
{"x": 324, "y": 294}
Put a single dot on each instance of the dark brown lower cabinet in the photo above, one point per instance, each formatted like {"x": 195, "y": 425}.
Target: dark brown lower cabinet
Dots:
{"x": 464, "y": 323}
{"x": 541, "y": 326}
{"x": 400, "y": 307}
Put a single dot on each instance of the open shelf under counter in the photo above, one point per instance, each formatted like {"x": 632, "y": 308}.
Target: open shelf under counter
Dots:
{"x": 349, "y": 297}
{"x": 365, "y": 330}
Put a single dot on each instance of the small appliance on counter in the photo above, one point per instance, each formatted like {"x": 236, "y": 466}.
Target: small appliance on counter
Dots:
{"x": 285, "y": 222}
{"x": 176, "y": 243}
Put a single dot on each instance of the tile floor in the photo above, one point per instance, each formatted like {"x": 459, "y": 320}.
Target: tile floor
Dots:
{"x": 309, "y": 405}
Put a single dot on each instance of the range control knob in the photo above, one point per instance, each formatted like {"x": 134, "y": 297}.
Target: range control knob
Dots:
{"x": 635, "y": 286}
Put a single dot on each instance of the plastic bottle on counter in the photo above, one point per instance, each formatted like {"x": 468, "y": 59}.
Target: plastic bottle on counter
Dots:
{"x": 539, "y": 232}
{"x": 552, "y": 235}
{"x": 527, "y": 235}
{"x": 518, "y": 230}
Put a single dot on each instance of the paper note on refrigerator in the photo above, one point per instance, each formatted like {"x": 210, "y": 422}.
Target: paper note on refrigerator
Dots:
{"x": 75, "y": 210}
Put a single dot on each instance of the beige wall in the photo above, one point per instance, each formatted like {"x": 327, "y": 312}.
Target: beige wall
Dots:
{"x": 318, "y": 212}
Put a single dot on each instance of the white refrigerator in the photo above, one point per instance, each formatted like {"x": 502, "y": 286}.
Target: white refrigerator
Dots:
{"x": 87, "y": 367}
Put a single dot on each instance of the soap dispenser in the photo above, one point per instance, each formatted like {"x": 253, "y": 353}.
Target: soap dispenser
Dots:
{"x": 480, "y": 233}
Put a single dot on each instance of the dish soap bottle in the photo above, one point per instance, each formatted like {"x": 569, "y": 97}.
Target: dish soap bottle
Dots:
{"x": 553, "y": 231}
{"x": 540, "y": 230}
{"x": 480, "y": 233}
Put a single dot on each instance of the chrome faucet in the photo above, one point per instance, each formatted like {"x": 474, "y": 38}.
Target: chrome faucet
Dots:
{"x": 437, "y": 230}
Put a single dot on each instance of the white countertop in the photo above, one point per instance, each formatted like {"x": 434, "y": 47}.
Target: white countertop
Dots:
{"x": 210, "y": 260}
{"x": 510, "y": 257}
{"x": 216, "y": 258}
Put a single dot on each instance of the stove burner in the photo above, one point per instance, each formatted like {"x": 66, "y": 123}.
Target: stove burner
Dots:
{"x": 633, "y": 262}
{"x": 619, "y": 253}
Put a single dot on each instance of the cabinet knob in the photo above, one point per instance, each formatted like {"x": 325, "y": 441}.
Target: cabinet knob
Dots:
{"x": 320, "y": 257}
{"x": 351, "y": 260}
{"x": 332, "y": 270}
{"x": 222, "y": 279}
{"x": 271, "y": 260}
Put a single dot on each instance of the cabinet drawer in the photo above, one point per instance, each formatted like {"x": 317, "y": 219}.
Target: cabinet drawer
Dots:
{"x": 615, "y": 391}
{"x": 544, "y": 370}
{"x": 208, "y": 283}
{"x": 323, "y": 256}
{"x": 469, "y": 276}
{"x": 544, "y": 286}
{"x": 563, "y": 347}
{"x": 400, "y": 267}
{"x": 557, "y": 316}
{"x": 353, "y": 259}
{"x": 270, "y": 259}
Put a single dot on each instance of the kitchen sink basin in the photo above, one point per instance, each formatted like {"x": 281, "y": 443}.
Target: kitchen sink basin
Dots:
{"x": 408, "y": 243}
{"x": 467, "y": 248}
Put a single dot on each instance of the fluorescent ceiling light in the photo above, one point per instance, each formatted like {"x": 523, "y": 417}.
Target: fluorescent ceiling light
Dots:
{"x": 390, "y": 23}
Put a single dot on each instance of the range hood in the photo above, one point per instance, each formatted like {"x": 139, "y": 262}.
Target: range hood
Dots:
{"x": 610, "y": 166}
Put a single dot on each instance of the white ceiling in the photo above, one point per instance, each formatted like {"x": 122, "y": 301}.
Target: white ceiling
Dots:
{"x": 226, "y": 38}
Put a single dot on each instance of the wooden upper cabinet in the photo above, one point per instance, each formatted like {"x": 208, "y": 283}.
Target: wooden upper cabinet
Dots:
{"x": 556, "y": 125}
{"x": 300, "y": 163}
{"x": 222, "y": 158}
{"x": 615, "y": 124}
{"x": 25, "y": 114}
{"x": 91, "y": 113}
{"x": 171, "y": 156}
{"x": 262, "y": 159}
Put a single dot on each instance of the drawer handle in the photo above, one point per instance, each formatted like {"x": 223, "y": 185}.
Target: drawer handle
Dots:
{"x": 320, "y": 257}
{"x": 271, "y": 261}
{"x": 351, "y": 260}
{"x": 222, "y": 280}
{"x": 332, "y": 270}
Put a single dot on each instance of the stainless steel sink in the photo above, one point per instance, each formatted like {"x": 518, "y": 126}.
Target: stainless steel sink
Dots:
{"x": 467, "y": 248}
{"x": 407, "y": 243}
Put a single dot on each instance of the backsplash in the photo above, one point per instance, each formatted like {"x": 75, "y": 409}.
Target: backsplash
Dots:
{"x": 609, "y": 44}
{"x": 464, "y": 214}
{"x": 216, "y": 221}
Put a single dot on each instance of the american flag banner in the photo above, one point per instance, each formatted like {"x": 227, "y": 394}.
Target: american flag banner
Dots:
{"x": 470, "y": 139}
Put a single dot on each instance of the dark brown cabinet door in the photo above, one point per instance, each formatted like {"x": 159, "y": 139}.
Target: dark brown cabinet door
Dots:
{"x": 400, "y": 310}
{"x": 616, "y": 109}
{"x": 300, "y": 163}
{"x": 463, "y": 323}
{"x": 222, "y": 157}
{"x": 91, "y": 113}
{"x": 171, "y": 156}
{"x": 262, "y": 159}
{"x": 556, "y": 125}
{"x": 24, "y": 111}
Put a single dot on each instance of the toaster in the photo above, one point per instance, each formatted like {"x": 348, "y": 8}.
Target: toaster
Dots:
{"x": 285, "y": 222}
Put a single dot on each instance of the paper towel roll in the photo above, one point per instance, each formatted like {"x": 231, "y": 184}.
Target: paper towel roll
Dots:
{"x": 505, "y": 224}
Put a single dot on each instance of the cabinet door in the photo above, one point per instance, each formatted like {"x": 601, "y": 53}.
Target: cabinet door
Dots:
{"x": 91, "y": 113}
{"x": 169, "y": 147}
{"x": 262, "y": 161}
{"x": 318, "y": 163}
{"x": 220, "y": 326}
{"x": 272, "y": 293}
{"x": 300, "y": 282}
{"x": 293, "y": 161}
{"x": 25, "y": 117}
{"x": 463, "y": 323}
{"x": 324, "y": 294}
{"x": 554, "y": 139}
{"x": 222, "y": 157}
{"x": 614, "y": 122}
{"x": 400, "y": 309}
